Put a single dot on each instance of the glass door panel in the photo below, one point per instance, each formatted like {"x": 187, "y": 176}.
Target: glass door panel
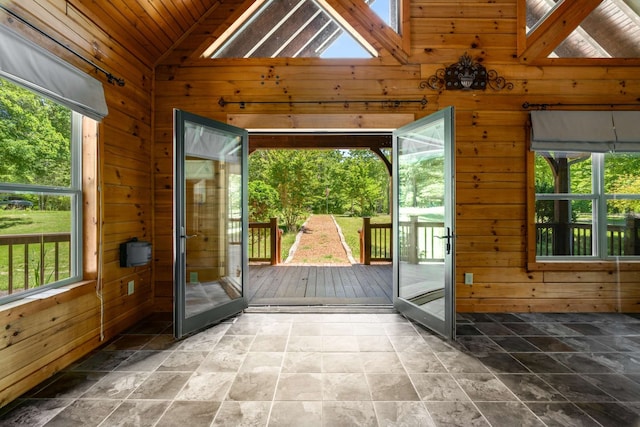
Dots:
{"x": 210, "y": 221}
{"x": 423, "y": 221}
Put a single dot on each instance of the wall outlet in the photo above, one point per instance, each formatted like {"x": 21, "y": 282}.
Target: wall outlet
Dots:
{"x": 468, "y": 278}
{"x": 131, "y": 287}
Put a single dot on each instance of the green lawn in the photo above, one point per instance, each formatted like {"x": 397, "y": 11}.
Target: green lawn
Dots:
{"x": 32, "y": 222}
{"x": 350, "y": 226}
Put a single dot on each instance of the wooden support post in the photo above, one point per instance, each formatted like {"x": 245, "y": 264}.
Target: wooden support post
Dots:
{"x": 275, "y": 237}
{"x": 366, "y": 235}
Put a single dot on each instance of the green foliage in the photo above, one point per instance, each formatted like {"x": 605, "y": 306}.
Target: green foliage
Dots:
{"x": 34, "y": 138}
{"x": 318, "y": 181}
{"x": 263, "y": 201}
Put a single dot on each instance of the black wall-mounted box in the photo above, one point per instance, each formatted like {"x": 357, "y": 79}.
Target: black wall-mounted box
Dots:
{"x": 134, "y": 253}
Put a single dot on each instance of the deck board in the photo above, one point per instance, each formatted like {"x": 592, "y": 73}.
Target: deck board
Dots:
{"x": 310, "y": 284}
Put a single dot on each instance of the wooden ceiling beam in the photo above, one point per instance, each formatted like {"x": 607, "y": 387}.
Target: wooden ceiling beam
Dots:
{"x": 556, "y": 28}
{"x": 318, "y": 141}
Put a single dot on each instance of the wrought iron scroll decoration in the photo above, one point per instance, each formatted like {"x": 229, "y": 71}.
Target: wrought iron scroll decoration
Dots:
{"x": 466, "y": 74}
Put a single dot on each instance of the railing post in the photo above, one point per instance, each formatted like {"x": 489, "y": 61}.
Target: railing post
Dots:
{"x": 366, "y": 236}
{"x": 631, "y": 240}
{"x": 273, "y": 226}
{"x": 413, "y": 240}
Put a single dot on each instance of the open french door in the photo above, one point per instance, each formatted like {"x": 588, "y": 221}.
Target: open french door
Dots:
{"x": 424, "y": 222}
{"x": 210, "y": 221}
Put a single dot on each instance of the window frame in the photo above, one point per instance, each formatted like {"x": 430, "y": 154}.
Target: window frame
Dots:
{"x": 75, "y": 192}
{"x": 601, "y": 260}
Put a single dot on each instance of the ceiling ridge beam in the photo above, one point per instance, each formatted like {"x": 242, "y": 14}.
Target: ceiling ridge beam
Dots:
{"x": 556, "y": 27}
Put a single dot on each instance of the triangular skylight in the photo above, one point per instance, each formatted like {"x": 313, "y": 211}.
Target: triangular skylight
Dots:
{"x": 611, "y": 30}
{"x": 291, "y": 29}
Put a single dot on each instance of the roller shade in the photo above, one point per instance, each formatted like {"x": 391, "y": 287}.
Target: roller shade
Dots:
{"x": 29, "y": 65}
{"x": 585, "y": 131}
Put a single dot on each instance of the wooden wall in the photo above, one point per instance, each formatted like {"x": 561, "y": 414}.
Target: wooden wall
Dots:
{"x": 491, "y": 151}
{"x": 41, "y": 337}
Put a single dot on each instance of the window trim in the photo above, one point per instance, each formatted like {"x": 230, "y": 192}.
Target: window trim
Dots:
{"x": 564, "y": 264}
{"x": 75, "y": 192}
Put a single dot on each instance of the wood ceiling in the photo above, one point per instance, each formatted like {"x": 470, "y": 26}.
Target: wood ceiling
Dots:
{"x": 152, "y": 29}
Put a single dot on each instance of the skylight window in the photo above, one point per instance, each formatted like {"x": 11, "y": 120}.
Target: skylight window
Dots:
{"x": 291, "y": 29}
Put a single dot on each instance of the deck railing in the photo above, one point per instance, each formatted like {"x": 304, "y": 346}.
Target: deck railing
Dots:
{"x": 621, "y": 240}
{"x": 419, "y": 241}
{"x": 265, "y": 241}
{"x": 36, "y": 254}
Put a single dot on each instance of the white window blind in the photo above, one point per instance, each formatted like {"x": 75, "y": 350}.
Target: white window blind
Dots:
{"x": 31, "y": 66}
{"x": 585, "y": 131}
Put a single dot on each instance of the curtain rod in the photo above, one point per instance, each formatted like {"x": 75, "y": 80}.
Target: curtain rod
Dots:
{"x": 528, "y": 105}
{"x": 392, "y": 102}
{"x": 110, "y": 77}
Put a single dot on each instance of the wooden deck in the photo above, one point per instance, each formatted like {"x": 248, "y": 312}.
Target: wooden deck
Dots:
{"x": 319, "y": 285}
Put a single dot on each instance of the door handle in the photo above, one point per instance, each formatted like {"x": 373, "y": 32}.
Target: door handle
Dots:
{"x": 191, "y": 236}
{"x": 448, "y": 236}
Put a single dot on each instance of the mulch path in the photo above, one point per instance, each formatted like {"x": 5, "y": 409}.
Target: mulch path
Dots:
{"x": 319, "y": 243}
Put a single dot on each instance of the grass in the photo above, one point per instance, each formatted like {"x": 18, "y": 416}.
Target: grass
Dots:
{"x": 32, "y": 222}
{"x": 350, "y": 226}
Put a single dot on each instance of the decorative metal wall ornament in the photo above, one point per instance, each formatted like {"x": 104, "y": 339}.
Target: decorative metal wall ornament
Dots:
{"x": 465, "y": 75}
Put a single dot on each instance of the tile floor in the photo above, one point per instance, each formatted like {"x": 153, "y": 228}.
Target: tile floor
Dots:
{"x": 359, "y": 369}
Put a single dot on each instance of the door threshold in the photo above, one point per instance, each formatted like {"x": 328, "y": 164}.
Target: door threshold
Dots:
{"x": 353, "y": 308}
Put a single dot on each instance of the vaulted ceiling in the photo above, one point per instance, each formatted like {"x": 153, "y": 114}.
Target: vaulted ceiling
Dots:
{"x": 154, "y": 29}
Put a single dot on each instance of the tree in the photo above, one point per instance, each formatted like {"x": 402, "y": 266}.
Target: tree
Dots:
{"x": 263, "y": 201}
{"x": 35, "y": 135}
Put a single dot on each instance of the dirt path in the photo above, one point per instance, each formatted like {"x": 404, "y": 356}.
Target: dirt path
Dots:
{"x": 319, "y": 243}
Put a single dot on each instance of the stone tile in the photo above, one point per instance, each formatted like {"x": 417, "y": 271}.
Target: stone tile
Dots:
{"x": 562, "y": 415}
{"x": 103, "y": 360}
{"x": 207, "y": 386}
{"x": 143, "y": 361}
{"x": 438, "y": 387}
{"x": 456, "y": 414}
{"x": 391, "y": 387}
{"x": 617, "y": 343}
{"x": 587, "y": 329}
{"x": 400, "y": 329}
{"x": 296, "y": 414}
{"x": 275, "y": 328}
{"x": 375, "y": 343}
{"x": 493, "y": 328}
{"x": 339, "y": 343}
{"x": 183, "y": 361}
{"x": 304, "y": 343}
{"x": 84, "y": 413}
{"x": 505, "y": 413}
{"x": 514, "y": 344}
{"x": 421, "y": 362}
{"x": 342, "y": 362}
{"x": 116, "y": 385}
{"x": 391, "y": 414}
{"x": 129, "y": 342}
{"x": 271, "y": 343}
{"x": 337, "y": 329}
{"x": 557, "y": 329}
{"x": 381, "y": 362}
{"x": 484, "y": 387}
{"x": 161, "y": 386}
{"x": 234, "y": 344}
{"x": 69, "y": 384}
{"x": 576, "y": 388}
{"x": 348, "y": 414}
{"x": 618, "y": 386}
{"x": 623, "y": 363}
{"x": 301, "y": 362}
{"x": 222, "y": 361}
{"x": 306, "y": 329}
{"x": 199, "y": 414}
{"x": 530, "y": 388}
{"x": 239, "y": 414}
{"x": 409, "y": 344}
{"x": 293, "y": 386}
{"x": 162, "y": 342}
{"x": 549, "y": 344}
{"x": 581, "y": 363}
{"x": 478, "y": 344}
{"x": 501, "y": 363}
{"x": 610, "y": 414}
{"x": 541, "y": 363}
{"x": 461, "y": 362}
{"x": 587, "y": 344}
{"x": 262, "y": 362}
{"x": 32, "y": 412}
{"x": 525, "y": 329}
{"x": 254, "y": 386}
{"x": 345, "y": 386}
{"x": 137, "y": 413}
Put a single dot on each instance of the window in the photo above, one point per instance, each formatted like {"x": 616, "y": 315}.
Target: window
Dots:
{"x": 587, "y": 190}
{"x": 40, "y": 192}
